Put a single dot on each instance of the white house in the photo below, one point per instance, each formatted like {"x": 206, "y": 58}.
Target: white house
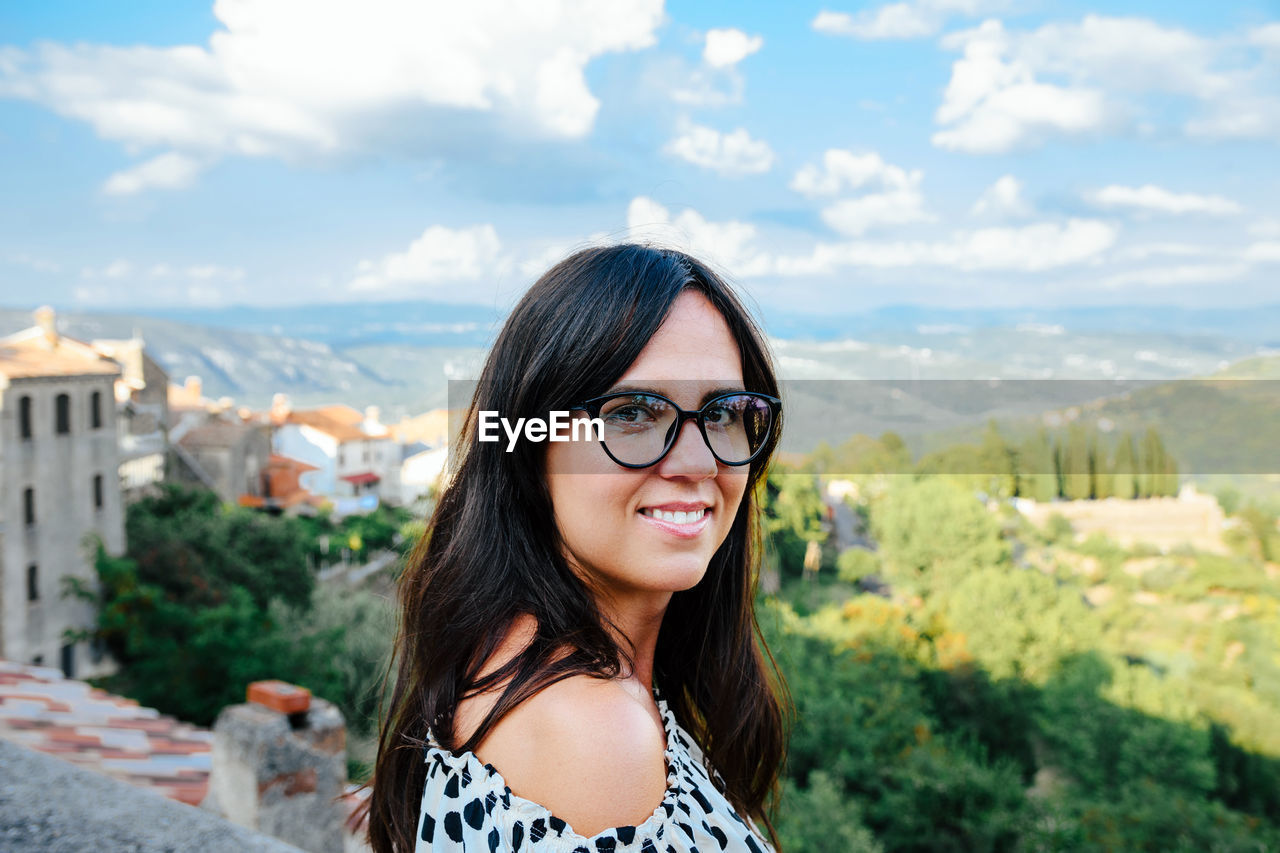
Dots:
{"x": 354, "y": 454}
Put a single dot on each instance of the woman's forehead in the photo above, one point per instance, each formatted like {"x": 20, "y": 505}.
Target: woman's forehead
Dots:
{"x": 693, "y": 344}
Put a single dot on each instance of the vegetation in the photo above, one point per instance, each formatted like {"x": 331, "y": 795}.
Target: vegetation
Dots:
{"x": 208, "y": 598}
{"x": 963, "y": 680}
{"x": 1079, "y": 463}
{"x": 990, "y": 704}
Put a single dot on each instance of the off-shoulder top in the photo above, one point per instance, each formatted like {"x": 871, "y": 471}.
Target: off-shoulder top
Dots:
{"x": 467, "y": 806}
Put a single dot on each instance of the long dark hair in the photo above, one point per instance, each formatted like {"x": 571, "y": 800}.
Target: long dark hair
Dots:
{"x": 492, "y": 551}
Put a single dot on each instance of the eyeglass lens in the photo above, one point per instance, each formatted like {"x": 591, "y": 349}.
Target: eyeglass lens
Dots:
{"x": 639, "y": 427}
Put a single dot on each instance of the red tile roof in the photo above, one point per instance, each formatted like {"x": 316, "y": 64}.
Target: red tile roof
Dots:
{"x": 42, "y": 710}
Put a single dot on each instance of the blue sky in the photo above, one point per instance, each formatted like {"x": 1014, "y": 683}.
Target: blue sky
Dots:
{"x": 827, "y": 156}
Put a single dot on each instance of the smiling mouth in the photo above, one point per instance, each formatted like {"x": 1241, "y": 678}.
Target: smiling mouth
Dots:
{"x": 692, "y": 517}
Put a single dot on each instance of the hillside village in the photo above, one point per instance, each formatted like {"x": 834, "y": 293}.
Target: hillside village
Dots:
{"x": 87, "y": 427}
{"x": 1163, "y": 589}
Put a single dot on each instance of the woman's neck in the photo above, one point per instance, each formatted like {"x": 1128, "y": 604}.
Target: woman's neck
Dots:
{"x": 639, "y": 619}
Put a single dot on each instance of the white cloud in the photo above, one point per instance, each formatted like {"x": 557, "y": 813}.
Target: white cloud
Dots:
{"x": 899, "y": 201}
{"x": 118, "y": 269}
{"x": 725, "y": 48}
{"x": 854, "y": 216}
{"x": 1151, "y": 198}
{"x": 171, "y": 171}
{"x": 1002, "y": 199}
{"x": 1267, "y": 36}
{"x": 141, "y": 275}
{"x": 901, "y": 20}
{"x": 731, "y": 245}
{"x": 895, "y": 21}
{"x": 1263, "y": 252}
{"x": 850, "y": 170}
{"x": 734, "y": 153}
{"x": 1143, "y": 251}
{"x": 299, "y": 79}
{"x": 440, "y": 255}
{"x": 1030, "y": 248}
{"x": 707, "y": 87}
{"x": 1176, "y": 275}
{"x": 1014, "y": 89}
{"x": 210, "y": 272}
{"x": 736, "y": 246}
{"x": 994, "y": 104}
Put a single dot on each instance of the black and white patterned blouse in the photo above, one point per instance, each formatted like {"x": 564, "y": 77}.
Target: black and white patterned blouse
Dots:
{"x": 467, "y": 806}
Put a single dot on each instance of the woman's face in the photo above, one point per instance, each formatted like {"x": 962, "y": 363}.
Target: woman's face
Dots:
{"x": 611, "y": 518}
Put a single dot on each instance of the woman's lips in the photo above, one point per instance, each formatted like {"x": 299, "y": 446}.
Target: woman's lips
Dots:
{"x": 669, "y": 522}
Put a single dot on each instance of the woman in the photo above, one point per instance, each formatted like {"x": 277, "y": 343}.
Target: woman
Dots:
{"x": 579, "y": 665}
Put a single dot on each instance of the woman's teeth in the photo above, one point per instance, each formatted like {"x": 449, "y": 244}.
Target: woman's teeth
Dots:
{"x": 675, "y": 517}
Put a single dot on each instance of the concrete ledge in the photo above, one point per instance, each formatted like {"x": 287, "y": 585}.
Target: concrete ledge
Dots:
{"x": 47, "y": 804}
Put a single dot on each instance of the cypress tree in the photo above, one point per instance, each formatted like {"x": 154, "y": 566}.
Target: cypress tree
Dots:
{"x": 1124, "y": 471}
{"x": 1075, "y": 465}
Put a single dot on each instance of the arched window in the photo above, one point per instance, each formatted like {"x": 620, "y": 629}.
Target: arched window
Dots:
{"x": 95, "y": 410}
{"x": 62, "y": 414}
{"x": 24, "y": 417}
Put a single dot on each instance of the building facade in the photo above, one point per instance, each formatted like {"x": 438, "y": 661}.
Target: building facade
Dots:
{"x": 356, "y": 461}
{"x": 59, "y": 486}
{"x": 142, "y": 415}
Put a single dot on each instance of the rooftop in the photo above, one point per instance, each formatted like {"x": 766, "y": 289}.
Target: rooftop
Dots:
{"x": 34, "y": 353}
{"x": 44, "y": 711}
{"x": 341, "y": 422}
{"x": 218, "y": 433}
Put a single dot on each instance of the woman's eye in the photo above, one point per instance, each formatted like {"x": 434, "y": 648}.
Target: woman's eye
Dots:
{"x": 721, "y": 416}
{"x": 630, "y": 415}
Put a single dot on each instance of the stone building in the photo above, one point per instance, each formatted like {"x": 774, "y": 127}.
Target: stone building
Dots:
{"x": 230, "y": 457}
{"x": 58, "y": 485}
{"x": 142, "y": 414}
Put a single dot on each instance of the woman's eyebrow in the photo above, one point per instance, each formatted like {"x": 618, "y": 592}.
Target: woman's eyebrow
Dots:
{"x": 636, "y": 388}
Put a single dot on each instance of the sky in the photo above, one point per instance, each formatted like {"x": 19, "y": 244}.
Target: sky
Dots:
{"x": 828, "y": 157}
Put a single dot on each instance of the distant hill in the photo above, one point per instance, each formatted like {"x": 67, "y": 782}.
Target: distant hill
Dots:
{"x": 1257, "y": 367}
{"x": 1251, "y": 326}
{"x": 400, "y": 356}
{"x": 434, "y": 324}
{"x": 250, "y": 367}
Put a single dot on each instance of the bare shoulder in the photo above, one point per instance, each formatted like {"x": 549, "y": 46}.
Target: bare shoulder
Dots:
{"x": 585, "y": 748}
{"x": 472, "y": 710}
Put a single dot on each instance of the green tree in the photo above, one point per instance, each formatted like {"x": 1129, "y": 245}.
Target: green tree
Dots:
{"x": 1077, "y": 484}
{"x": 999, "y": 463}
{"x": 936, "y": 532}
{"x": 1037, "y": 475}
{"x": 196, "y": 550}
{"x": 1124, "y": 477}
{"x": 793, "y": 517}
{"x": 855, "y": 563}
{"x": 821, "y": 818}
{"x": 1100, "y": 473}
{"x": 190, "y": 660}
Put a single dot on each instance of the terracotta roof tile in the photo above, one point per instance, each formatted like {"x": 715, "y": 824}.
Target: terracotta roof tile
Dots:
{"x": 111, "y": 734}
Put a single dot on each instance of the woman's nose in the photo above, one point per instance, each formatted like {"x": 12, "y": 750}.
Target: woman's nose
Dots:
{"x": 690, "y": 457}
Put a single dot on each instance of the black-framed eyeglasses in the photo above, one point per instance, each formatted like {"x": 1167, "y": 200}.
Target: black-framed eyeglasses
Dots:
{"x": 640, "y": 427}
